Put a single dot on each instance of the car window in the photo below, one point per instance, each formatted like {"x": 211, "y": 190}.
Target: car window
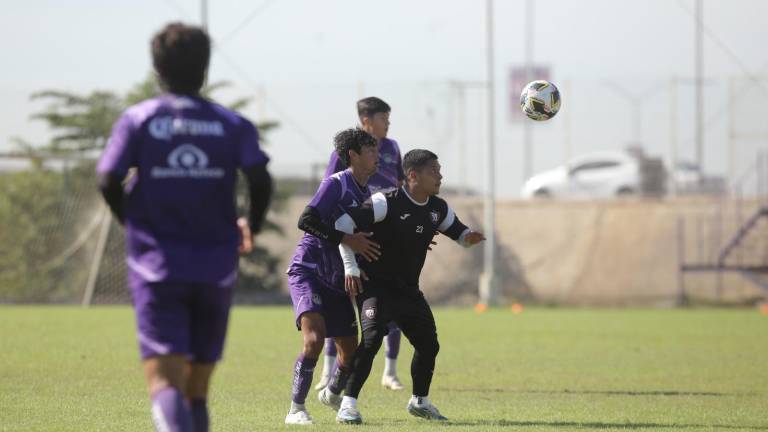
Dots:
{"x": 594, "y": 165}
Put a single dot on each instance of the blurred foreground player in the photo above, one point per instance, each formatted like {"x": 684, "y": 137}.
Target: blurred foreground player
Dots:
{"x": 182, "y": 232}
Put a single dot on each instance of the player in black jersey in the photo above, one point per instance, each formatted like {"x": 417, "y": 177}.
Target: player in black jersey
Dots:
{"x": 403, "y": 223}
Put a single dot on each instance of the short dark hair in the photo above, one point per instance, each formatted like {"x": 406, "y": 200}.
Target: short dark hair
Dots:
{"x": 352, "y": 139}
{"x": 369, "y": 106}
{"x": 180, "y": 55}
{"x": 417, "y": 159}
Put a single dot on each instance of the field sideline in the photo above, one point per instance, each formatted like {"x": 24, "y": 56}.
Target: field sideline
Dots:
{"x": 71, "y": 369}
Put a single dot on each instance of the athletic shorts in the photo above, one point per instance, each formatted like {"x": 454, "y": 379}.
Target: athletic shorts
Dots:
{"x": 180, "y": 318}
{"x": 381, "y": 304}
{"x": 309, "y": 294}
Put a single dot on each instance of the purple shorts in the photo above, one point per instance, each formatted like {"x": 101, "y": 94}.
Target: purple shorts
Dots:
{"x": 180, "y": 318}
{"x": 311, "y": 295}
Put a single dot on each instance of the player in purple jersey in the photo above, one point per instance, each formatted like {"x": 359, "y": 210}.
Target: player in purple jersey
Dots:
{"x": 316, "y": 273}
{"x": 403, "y": 223}
{"x": 374, "y": 118}
{"x": 181, "y": 227}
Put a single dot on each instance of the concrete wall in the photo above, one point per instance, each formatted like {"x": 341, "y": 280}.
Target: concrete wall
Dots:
{"x": 579, "y": 253}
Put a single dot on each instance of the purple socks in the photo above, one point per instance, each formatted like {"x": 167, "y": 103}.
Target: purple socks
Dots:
{"x": 393, "y": 342}
{"x": 170, "y": 411}
{"x": 302, "y": 378}
{"x": 339, "y": 378}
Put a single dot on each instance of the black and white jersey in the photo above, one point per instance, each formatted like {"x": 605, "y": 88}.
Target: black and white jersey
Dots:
{"x": 404, "y": 228}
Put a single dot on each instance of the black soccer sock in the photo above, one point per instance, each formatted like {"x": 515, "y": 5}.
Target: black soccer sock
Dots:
{"x": 363, "y": 360}
{"x": 423, "y": 363}
{"x": 339, "y": 378}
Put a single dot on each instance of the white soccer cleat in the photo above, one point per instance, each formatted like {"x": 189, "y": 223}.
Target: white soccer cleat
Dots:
{"x": 391, "y": 382}
{"x": 349, "y": 415}
{"x": 424, "y": 409}
{"x": 324, "y": 380}
{"x": 298, "y": 418}
{"x": 329, "y": 399}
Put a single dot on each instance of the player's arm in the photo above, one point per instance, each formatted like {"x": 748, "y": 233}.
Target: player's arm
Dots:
{"x": 260, "y": 193}
{"x": 111, "y": 187}
{"x": 374, "y": 210}
{"x": 118, "y": 157}
{"x": 452, "y": 227}
{"x": 252, "y": 161}
{"x": 311, "y": 222}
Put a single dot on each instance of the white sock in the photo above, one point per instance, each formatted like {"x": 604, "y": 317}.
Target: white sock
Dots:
{"x": 328, "y": 362}
{"x": 390, "y": 366}
{"x": 348, "y": 402}
{"x": 420, "y": 400}
{"x": 296, "y": 407}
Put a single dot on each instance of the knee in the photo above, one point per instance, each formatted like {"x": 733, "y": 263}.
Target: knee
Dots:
{"x": 428, "y": 346}
{"x": 372, "y": 340}
{"x": 313, "y": 345}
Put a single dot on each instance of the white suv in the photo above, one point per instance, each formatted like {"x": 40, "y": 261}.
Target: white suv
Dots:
{"x": 595, "y": 175}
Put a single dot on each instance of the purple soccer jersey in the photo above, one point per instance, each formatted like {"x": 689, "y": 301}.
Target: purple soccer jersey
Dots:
{"x": 179, "y": 207}
{"x": 390, "y": 171}
{"x": 335, "y": 196}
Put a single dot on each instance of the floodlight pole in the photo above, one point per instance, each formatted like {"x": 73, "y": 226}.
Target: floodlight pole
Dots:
{"x": 527, "y": 132}
{"x": 204, "y": 14}
{"x": 488, "y": 277}
{"x": 699, "y": 67}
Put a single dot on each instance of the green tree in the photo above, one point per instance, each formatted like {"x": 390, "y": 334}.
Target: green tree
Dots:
{"x": 35, "y": 204}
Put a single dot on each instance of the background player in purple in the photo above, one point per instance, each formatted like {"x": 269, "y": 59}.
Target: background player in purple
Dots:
{"x": 182, "y": 231}
{"x": 316, "y": 274}
{"x": 403, "y": 222}
{"x": 374, "y": 118}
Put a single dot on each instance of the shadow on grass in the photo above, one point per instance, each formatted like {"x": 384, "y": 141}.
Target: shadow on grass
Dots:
{"x": 603, "y": 392}
{"x": 596, "y": 425}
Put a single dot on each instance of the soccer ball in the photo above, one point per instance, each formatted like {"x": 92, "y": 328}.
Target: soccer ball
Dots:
{"x": 540, "y": 100}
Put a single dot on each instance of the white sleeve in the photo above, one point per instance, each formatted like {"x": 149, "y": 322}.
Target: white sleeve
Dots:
{"x": 462, "y": 240}
{"x": 345, "y": 224}
{"x": 350, "y": 263}
{"x": 379, "y": 202}
{"x": 447, "y": 221}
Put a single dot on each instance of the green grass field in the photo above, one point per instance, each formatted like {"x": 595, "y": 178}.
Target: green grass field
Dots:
{"x": 70, "y": 369}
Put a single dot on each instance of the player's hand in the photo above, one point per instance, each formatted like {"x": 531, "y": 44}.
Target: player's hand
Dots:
{"x": 433, "y": 242}
{"x": 352, "y": 285}
{"x": 363, "y": 276}
{"x": 474, "y": 237}
{"x": 246, "y": 237}
{"x": 361, "y": 245}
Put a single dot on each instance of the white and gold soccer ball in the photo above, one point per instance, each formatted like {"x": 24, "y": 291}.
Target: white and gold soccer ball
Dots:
{"x": 540, "y": 100}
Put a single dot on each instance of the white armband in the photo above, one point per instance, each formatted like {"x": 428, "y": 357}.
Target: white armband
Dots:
{"x": 379, "y": 204}
{"x": 345, "y": 224}
{"x": 447, "y": 220}
{"x": 350, "y": 263}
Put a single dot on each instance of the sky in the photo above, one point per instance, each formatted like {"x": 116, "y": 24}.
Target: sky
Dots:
{"x": 306, "y": 62}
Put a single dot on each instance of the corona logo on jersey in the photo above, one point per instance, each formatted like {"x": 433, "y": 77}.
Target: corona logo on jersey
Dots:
{"x": 387, "y": 158}
{"x": 187, "y": 161}
{"x": 164, "y": 128}
{"x": 370, "y": 313}
{"x": 435, "y": 216}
